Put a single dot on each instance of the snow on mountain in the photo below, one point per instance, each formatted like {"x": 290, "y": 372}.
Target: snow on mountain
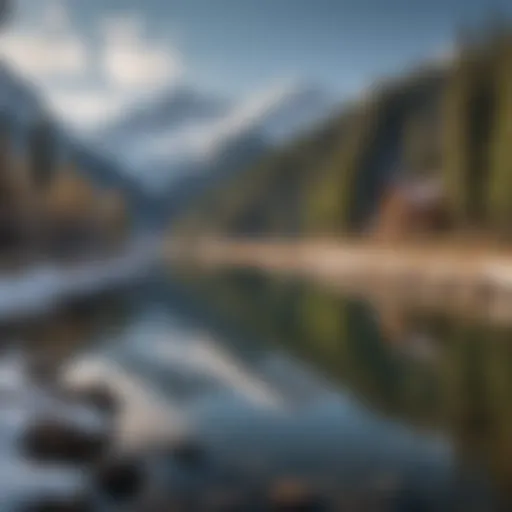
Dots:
{"x": 167, "y": 112}
{"x": 179, "y": 142}
{"x": 134, "y": 139}
{"x": 21, "y": 107}
{"x": 188, "y": 130}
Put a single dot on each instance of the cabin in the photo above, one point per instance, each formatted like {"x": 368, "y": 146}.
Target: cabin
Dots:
{"x": 411, "y": 207}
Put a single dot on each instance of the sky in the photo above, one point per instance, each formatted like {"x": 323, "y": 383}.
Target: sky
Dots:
{"x": 93, "y": 59}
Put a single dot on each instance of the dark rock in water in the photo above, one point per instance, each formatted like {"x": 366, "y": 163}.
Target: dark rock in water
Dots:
{"x": 121, "y": 479}
{"x": 58, "y": 441}
{"x": 290, "y": 495}
{"x": 99, "y": 397}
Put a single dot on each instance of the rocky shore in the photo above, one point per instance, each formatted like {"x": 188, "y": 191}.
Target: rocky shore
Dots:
{"x": 60, "y": 452}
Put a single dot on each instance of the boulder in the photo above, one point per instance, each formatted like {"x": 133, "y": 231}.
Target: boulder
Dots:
{"x": 57, "y": 440}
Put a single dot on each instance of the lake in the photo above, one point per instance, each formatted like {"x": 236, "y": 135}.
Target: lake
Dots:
{"x": 376, "y": 408}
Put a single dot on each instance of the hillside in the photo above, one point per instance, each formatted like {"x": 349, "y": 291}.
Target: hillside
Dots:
{"x": 59, "y": 198}
{"x": 427, "y": 153}
{"x": 21, "y": 109}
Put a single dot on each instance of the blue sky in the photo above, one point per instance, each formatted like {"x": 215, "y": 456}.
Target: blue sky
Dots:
{"x": 94, "y": 58}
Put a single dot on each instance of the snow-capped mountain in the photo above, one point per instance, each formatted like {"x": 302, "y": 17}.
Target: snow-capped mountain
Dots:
{"x": 166, "y": 112}
{"x": 187, "y": 131}
{"x": 178, "y": 143}
{"x": 154, "y": 138}
{"x": 21, "y": 107}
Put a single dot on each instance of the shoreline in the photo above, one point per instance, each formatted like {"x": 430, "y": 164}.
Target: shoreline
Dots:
{"x": 41, "y": 288}
{"x": 454, "y": 277}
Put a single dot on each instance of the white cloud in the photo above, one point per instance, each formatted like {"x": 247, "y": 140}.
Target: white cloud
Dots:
{"x": 55, "y": 52}
{"x": 131, "y": 61}
{"x": 52, "y": 49}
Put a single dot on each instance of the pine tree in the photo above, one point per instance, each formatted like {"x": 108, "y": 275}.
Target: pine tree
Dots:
{"x": 456, "y": 150}
{"x": 500, "y": 187}
{"x": 350, "y": 163}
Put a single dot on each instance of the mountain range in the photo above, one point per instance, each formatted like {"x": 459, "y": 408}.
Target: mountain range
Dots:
{"x": 186, "y": 141}
{"x": 171, "y": 148}
{"x": 22, "y": 106}
{"x": 186, "y": 131}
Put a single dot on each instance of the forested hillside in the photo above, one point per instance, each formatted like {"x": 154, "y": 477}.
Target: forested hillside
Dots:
{"x": 49, "y": 207}
{"x": 432, "y": 144}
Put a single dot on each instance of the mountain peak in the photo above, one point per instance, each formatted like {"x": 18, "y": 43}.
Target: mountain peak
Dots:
{"x": 184, "y": 129}
{"x": 167, "y": 110}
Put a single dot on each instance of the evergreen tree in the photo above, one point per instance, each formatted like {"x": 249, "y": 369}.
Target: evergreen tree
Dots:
{"x": 456, "y": 150}
{"x": 500, "y": 187}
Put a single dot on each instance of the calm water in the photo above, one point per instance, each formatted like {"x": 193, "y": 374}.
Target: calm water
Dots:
{"x": 406, "y": 412}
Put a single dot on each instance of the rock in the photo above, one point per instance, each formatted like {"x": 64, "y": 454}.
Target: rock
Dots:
{"x": 291, "y": 495}
{"x": 58, "y": 441}
{"x": 121, "y": 479}
{"x": 99, "y": 397}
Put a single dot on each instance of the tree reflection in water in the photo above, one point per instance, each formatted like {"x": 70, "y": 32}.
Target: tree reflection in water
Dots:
{"x": 434, "y": 372}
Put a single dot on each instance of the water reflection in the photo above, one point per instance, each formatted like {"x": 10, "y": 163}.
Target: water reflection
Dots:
{"x": 430, "y": 373}
{"x": 282, "y": 380}
{"x": 46, "y": 434}
{"x": 376, "y": 409}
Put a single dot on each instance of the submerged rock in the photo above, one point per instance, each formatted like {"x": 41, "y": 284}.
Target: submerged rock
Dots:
{"x": 99, "y": 396}
{"x": 292, "y": 495}
{"x": 53, "y": 439}
{"x": 121, "y": 478}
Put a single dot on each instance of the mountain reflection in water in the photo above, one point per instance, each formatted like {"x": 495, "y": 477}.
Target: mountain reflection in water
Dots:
{"x": 374, "y": 408}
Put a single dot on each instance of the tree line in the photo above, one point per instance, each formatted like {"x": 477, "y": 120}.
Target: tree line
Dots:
{"x": 451, "y": 121}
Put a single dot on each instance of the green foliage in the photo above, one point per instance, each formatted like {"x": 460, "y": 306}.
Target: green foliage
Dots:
{"x": 456, "y": 147}
{"x": 500, "y": 189}
{"x": 422, "y": 153}
{"x": 452, "y": 121}
{"x": 350, "y": 164}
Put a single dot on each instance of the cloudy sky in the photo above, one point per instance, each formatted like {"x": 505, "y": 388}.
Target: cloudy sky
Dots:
{"x": 95, "y": 58}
